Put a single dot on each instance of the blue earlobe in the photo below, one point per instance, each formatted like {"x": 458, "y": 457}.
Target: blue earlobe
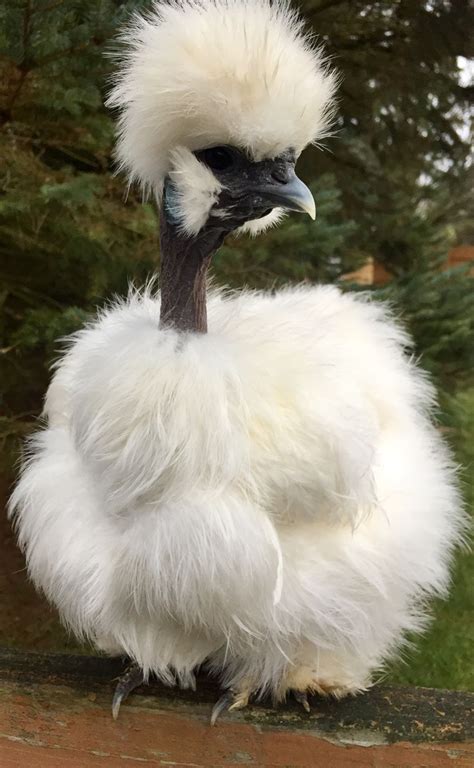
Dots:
{"x": 171, "y": 203}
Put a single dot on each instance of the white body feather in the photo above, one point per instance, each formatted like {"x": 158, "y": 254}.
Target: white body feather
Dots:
{"x": 270, "y": 496}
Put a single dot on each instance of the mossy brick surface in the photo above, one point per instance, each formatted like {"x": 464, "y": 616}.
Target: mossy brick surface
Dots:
{"x": 55, "y": 711}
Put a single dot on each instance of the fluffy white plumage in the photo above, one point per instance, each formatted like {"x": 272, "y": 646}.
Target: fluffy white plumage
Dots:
{"x": 270, "y": 496}
{"x": 175, "y": 475}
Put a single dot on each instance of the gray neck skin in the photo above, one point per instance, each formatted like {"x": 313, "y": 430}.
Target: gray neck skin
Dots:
{"x": 184, "y": 264}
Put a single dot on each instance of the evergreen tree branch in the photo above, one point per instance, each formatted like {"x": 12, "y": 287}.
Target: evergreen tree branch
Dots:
{"x": 6, "y": 114}
{"x": 49, "y": 7}
{"x": 26, "y": 28}
{"x": 23, "y": 68}
{"x": 57, "y": 56}
{"x": 324, "y": 6}
{"x": 377, "y": 38}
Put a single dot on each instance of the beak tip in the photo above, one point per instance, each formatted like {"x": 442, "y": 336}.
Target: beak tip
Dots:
{"x": 308, "y": 206}
{"x": 302, "y": 199}
{"x": 293, "y": 195}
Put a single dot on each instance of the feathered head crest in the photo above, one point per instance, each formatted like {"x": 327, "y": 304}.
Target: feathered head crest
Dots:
{"x": 204, "y": 72}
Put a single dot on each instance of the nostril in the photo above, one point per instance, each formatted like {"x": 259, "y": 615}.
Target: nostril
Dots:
{"x": 280, "y": 175}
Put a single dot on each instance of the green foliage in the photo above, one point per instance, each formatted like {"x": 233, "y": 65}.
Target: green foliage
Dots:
{"x": 67, "y": 237}
{"x": 438, "y": 309}
{"x": 434, "y": 301}
{"x": 401, "y": 106}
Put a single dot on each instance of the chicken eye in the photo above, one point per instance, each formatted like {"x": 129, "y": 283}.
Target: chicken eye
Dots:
{"x": 217, "y": 158}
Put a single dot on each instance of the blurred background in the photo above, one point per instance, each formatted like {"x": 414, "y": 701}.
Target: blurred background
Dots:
{"x": 393, "y": 190}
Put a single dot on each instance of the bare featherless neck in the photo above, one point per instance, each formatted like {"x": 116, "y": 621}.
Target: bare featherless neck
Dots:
{"x": 184, "y": 264}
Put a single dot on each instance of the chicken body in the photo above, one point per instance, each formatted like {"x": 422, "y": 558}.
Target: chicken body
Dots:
{"x": 269, "y": 497}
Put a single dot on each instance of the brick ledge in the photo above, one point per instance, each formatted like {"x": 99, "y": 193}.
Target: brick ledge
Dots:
{"x": 55, "y": 711}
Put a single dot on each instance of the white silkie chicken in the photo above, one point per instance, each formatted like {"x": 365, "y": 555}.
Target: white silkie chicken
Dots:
{"x": 248, "y": 480}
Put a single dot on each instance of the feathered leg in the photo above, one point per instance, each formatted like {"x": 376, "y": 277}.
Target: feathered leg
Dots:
{"x": 303, "y": 681}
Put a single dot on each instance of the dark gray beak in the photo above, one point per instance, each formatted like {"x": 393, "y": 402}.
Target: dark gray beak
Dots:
{"x": 290, "y": 193}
